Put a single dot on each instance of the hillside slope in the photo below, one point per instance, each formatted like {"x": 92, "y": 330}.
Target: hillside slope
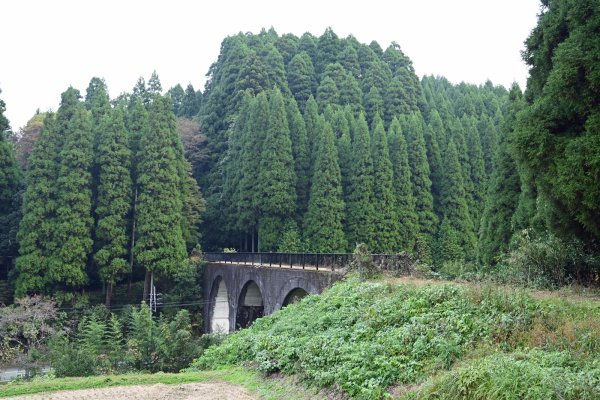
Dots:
{"x": 448, "y": 341}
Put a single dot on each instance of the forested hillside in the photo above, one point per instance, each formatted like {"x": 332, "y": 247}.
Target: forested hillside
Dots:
{"x": 315, "y": 144}
{"x": 319, "y": 143}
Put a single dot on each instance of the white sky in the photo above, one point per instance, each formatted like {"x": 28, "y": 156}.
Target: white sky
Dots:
{"x": 49, "y": 45}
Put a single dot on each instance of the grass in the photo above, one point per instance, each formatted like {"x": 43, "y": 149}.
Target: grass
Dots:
{"x": 253, "y": 381}
{"x": 362, "y": 339}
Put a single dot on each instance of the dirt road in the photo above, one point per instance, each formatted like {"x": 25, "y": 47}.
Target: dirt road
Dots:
{"x": 188, "y": 391}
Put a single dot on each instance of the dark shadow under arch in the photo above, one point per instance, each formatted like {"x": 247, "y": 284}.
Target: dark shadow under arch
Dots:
{"x": 294, "y": 296}
{"x": 250, "y": 305}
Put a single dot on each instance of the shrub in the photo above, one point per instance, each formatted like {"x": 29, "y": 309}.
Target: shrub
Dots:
{"x": 25, "y": 327}
{"x": 362, "y": 262}
{"x": 534, "y": 374}
{"x": 547, "y": 261}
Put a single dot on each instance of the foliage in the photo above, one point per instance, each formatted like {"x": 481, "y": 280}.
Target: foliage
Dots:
{"x": 26, "y": 326}
{"x": 547, "y": 261}
{"x": 323, "y": 221}
{"x": 160, "y": 245}
{"x": 556, "y": 137}
{"x": 105, "y": 345}
{"x": 360, "y": 338}
{"x": 362, "y": 262}
{"x": 532, "y": 374}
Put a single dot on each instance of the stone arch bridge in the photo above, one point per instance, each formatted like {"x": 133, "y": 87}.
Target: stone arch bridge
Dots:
{"x": 237, "y": 292}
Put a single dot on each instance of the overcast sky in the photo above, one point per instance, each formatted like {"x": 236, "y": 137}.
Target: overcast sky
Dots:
{"x": 49, "y": 45}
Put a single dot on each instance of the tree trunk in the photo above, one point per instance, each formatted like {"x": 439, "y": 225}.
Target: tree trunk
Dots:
{"x": 252, "y": 241}
{"x": 147, "y": 286}
{"x": 109, "y": 289}
{"x": 132, "y": 237}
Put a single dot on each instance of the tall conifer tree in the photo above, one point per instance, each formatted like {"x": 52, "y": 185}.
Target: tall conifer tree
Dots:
{"x": 407, "y": 216}
{"x": 323, "y": 228}
{"x": 299, "y": 140}
{"x": 277, "y": 177}
{"x": 454, "y": 205}
{"x": 386, "y": 234}
{"x": 10, "y": 183}
{"x": 360, "y": 211}
{"x": 74, "y": 222}
{"x": 114, "y": 198}
{"x": 160, "y": 246}
{"x": 35, "y": 236}
{"x": 419, "y": 174}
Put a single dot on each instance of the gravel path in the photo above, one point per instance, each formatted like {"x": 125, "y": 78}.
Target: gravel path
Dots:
{"x": 188, "y": 391}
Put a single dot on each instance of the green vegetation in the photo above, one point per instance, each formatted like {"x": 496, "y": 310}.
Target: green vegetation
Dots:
{"x": 363, "y": 338}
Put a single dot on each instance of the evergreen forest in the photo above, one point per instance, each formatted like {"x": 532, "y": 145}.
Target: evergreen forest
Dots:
{"x": 313, "y": 144}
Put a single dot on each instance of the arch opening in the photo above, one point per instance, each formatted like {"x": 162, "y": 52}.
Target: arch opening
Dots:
{"x": 219, "y": 307}
{"x": 294, "y": 296}
{"x": 250, "y": 305}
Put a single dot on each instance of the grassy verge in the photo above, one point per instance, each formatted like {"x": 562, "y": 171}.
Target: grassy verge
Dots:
{"x": 363, "y": 339}
{"x": 268, "y": 389}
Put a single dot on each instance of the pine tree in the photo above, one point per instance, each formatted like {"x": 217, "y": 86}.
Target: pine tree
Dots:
{"x": 341, "y": 130}
{"x": 10, "y": 183}
{"x": 328, "y": 47}
{"x": 349, "y": 60}
{"x": 360, "y": 211}
{"x": 232, "y": 163}
{"x": 407, "y": 216}
{"x": 252, "y": 78}
{"x": 396, "y": 100}
{"x": 35, "y": 236}
{"x": 419, "y": 175}
{"x": 301, "y": 78}
{"x": 311, "y": 115}
{"x": 114, "y": 198}
{"x": 476, "y": 169}
{"x": 189, "y": 104}
{"x": 500, "y": 217}
{"x": 454, "y": 205}
{"x": 299, "y": 140}
{"x": 434, "y": 134}
{"x": 323, "y": 228}
{"x": 374, "y": 104}
{"x": 350, "y": 92}
{"x": 386, "y": 237}
{"x": 154, "y": 87}
{"x": 501, "y": 204}
{"x": 248, "y": 198}
{"x": 177, "y": 94}
{"x": 276, "y": 70}
{"x": 74, "y": 222}
{"x": 160, "y": 246}
{"x": 277, "y": 177}
{"x": 327, "y": 93}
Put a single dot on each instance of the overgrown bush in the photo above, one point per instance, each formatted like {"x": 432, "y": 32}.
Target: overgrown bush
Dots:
{"x": 533, "y": 374}
{"x": 140, "y": 342}
{"x": 362, "y": 262}
{"x": 547, "y": 261}
{"x": 25, "y": 328}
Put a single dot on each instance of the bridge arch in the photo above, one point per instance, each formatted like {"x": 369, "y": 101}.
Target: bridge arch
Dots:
{"x": 293, "y": 287}
{"x": 250, "y": 305}
{"x": 294, "y": 296}
{"x": 219, "y": 306}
